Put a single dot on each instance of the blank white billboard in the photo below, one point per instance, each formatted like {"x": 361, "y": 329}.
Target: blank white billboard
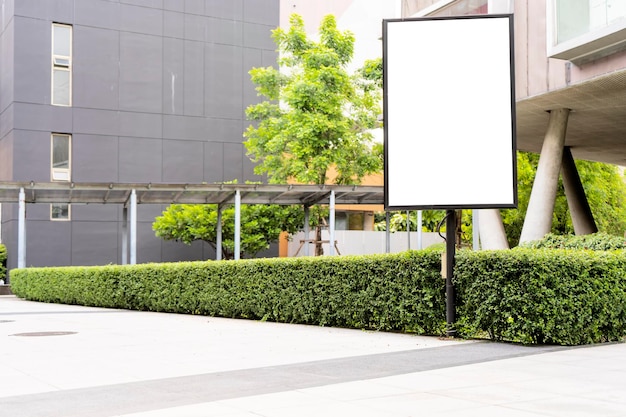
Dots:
{"x": 449, "y": 113}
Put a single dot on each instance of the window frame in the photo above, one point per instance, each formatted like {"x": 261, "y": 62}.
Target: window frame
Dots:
{"x": 61, "y": 219}
{"x": 53, "y": 169}
{"x": 61, "y": 63}
{"x": 586, "y": 47}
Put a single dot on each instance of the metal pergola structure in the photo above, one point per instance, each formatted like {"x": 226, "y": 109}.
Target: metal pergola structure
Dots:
{"x": 130, "y": 195}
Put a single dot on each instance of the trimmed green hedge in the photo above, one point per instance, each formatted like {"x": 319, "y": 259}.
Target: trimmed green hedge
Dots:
{"x": 399, "y": 292}
{"x": 3, "y": 259}
{"x": 531, "y": 296}
{"x": 543, "y": 296}
{"x": 596, "y": 241}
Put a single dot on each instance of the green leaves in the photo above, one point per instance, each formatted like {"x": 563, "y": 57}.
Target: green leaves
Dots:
{"x": 3, "y": 259}
{"x": 260, "y": 225}
{"x": 324, "y": 115}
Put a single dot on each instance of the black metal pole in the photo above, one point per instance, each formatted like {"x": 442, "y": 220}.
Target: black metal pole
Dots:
{"x": 450, "y": 252}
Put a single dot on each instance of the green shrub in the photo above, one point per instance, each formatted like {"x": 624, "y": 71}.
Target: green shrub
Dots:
{"x": 542, "y": 296}
{"x": 595, "y": 241}
{"x": 398, "y": 292}
{"x": 532, "y": 296}
{"x": 3, "y": 260}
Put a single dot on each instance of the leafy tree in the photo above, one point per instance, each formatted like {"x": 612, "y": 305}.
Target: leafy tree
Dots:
{"x": 316, "y": 117}
{"x": 604, "y": 187}
{"x": 260, "y": 225}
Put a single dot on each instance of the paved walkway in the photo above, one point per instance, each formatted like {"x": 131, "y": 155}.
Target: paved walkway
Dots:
{"x": 66, "y": 361}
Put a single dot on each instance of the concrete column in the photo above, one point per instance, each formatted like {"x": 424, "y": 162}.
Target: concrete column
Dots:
{"x": 491, "y": 230}
{"x": 579, "y": 209}
{"x": 237, "y": 225}
{"x": 21, "y": 230}
{"x": 538, "y": 221}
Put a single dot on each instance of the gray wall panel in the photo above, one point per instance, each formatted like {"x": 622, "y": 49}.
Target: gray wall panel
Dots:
{"x": 251, "y": 58}
{"x": 148, "y": 245}
{"x": 213, "y": 162}
{"x": 193, "y": 90}
{"x": 223, "y": 77}
{"x": 96, "y": 122}
{"x": 141, "y": 125}
{"x": 173, "y": 76}
{"x": 194, "y": 6}
{"x": 48, "y": 243}
{"x": 183, "y": 161}
{"x": 96, "y": 70}
{"x": 148, "y": 212}
{"x": 6, "y": 13}
{"x": 6, "y": 157}
{"x": 226, "y": 9}
{"x": 141, "y": 81}
{"x": 97, "y": 13}
{"x": 44, "y": 118}
{"x": 95, "y": 158}
{"x": 7, "y": 43}
{"x": 226, "y": 32}
{"x": 233, "y": 162}
{"x": 157, "y": 4}
{"x": 264, "y": 12}
{"x": 195, "y": 27}
{"x": 140, "y": 160}
{"x": 97, "y": 212}
{"x": 31, "y": 159}
{"x": 178, "y": 251}
{"x": 32, "y": 60}
{"x": 189, "y": 128}
{"x": 6, "y": 120}
{"x": 56, "y": 10}
{"x": 94, "y": 243}
{"x": 225, "y": 130}
{"x": 141, "y": 20}
{"x": 173, "y": 25}
{"x": 37, "y": 211}
{"x": 175, "y": 5}
{"x": 258, "y": 36}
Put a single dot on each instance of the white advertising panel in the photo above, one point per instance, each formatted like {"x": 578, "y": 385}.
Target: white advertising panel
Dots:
{"x": 449, "y": 113}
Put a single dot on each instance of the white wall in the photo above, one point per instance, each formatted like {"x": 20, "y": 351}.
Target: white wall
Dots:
{"x": 356, "y": 242}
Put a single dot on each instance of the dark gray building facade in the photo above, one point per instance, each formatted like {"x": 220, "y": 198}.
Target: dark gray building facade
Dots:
{"x": 123, "y": 91}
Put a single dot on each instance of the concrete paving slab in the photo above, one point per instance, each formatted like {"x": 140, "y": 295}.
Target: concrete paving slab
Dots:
{"x": 143, "y": 364}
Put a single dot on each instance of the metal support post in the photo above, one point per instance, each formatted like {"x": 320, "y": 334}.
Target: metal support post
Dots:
{"x": 420, "y": 243}
{"x": 307, "y": 213}
{"x": 125, "y": 235}
{"x": 133, "y": 227}
{"x": 237, "y": 225}
{"x": 21, "y": 230}
{"x": 218, "y": 234}
{"x": 450, "y": 253}
{"x": 331, "y": 225}
{"x": 387, "y": 233}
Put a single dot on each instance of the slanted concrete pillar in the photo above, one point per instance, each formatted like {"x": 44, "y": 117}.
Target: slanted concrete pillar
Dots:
{"x": 579, "y": 209}
{"x": 491, "y": 228}
{"x": 538, "y": 221}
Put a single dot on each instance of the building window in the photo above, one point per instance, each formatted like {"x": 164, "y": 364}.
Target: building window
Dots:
{"x": 61, "y": 64}
{"x": 585, "y": 30}
{"x": 61, "y": 150}
{"x": 60, "y": 211}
